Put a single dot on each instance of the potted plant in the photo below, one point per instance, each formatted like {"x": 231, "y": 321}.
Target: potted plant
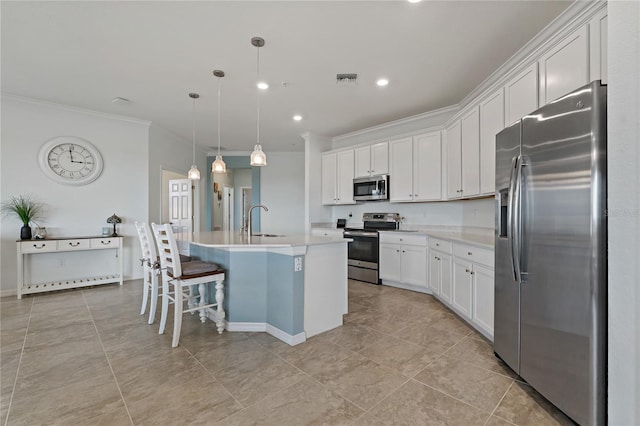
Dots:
{"x": 26, "y": 208}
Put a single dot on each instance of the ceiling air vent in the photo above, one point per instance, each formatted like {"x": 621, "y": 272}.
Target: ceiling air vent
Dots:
{"x": 346, "y": 79}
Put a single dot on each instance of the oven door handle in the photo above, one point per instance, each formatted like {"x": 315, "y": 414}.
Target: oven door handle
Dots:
{"x": 360, "y": 234}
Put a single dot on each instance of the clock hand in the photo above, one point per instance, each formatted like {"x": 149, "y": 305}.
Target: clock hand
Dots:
{"x": 71, "y": 154}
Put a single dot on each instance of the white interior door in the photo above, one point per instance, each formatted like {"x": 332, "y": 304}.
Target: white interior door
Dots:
{"x": 181, "y": 212}
{"x": 227, "y": 208}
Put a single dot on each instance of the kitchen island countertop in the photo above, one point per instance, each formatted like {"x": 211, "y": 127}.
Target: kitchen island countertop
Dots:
{"x": 237, "y": 240}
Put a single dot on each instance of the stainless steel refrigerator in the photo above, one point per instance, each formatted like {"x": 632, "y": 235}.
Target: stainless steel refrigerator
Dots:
{"x": 551, "y": 252}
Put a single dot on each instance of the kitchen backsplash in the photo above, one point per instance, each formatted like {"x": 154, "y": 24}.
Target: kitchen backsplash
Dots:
{"x": 469, "y": 213}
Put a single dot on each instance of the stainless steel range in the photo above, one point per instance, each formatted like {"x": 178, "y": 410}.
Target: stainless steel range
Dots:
{"x": 363, "y": 250}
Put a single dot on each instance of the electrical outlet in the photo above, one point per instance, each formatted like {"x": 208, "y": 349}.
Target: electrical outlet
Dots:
{"x": 297, "y": 264}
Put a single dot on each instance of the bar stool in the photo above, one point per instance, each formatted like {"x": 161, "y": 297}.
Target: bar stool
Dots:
{"x": 151, "y": 270}
{"x": 183, "y": 277}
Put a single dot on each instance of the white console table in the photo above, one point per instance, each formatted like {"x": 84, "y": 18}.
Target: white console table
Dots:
{"x": 54, "y": 274}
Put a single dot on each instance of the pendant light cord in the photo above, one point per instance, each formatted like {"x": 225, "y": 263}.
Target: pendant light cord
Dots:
{"x": 258, "y": 96}
{"x": 193, "y": 127}
{"x": 219, "y": 113}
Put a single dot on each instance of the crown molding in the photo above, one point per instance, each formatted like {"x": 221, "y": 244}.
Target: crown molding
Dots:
{"x": 34, "y": 101}
{"x": 414, "y": 124}
{"x": 574, "y": 16}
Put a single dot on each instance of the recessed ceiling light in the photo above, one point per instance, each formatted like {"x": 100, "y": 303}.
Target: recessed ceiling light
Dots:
{"x": 414, "y": 1}
{"x": 382, "y": 82}
{"x": 297, "y": 117}
{"x": 262, "y": 85}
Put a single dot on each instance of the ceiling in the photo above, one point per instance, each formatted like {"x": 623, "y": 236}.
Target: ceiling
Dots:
{"x": 434, "y": 53}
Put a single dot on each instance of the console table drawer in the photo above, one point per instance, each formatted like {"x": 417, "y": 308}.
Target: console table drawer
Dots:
{"x": 104, "y": 242}
{"x": 37, "y": 246}
{"x": 67, "y": 245}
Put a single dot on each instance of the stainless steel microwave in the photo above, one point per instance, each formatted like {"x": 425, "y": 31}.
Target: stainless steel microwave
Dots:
{"x": 371, "y": 188}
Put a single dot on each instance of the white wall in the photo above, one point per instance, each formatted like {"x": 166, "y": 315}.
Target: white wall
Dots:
{"x": 282, "y": 190}
{"x": 623, "y": 158}
{"x": 314, "y": 211}
{"x": 73, "y": 211}
{"x": 175, "y": 154}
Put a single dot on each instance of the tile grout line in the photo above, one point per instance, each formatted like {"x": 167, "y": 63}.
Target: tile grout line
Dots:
{"x": 107, "y": 357}
{"x": 500, "y": 402}
{"x": 314, "y": 379}
{"x": 15, "y": 381}
{"x": 215, "y": 378}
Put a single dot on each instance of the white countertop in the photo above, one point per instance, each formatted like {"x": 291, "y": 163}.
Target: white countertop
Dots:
{"x": 237, "y": 240}
{"x": 482, "y": 237}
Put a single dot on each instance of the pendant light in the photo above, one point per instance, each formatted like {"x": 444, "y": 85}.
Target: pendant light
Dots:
{"x": 258, "y": 157}
{"x": 218, "y": 165}
{"x": 194, "y": 173}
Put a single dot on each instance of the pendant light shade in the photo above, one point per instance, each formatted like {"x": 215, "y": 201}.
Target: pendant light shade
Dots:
{"x": 194, "y": 173}
{"x": 218, "y": 165}
{"x": 258, "y": 157}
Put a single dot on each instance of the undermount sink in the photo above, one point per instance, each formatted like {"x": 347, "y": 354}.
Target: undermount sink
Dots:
{"x": 267, "y": 235}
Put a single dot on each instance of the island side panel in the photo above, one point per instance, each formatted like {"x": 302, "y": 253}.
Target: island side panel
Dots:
{"x": 325, "y": 287}
{"x": 285, "y": 294}
{"x": 245, "y": 286}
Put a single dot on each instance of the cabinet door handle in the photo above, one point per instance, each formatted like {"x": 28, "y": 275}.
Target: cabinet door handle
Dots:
{"x": 471, "y": 272}
{"x": 467, "y": 270}
{"x": 469, "y": 253}
{"x": 397, "y": 251}
{"x": 105, "y": 242}
{"x": 437, "y": 244}
{"x": 76, "y": 244}
{"x": 403, "y": 251}
{"x": 39, "y": 247}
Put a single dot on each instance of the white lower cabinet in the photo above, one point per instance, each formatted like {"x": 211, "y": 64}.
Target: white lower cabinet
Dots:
{"x": 483, "y": 297}
{"x": 327, "y": 232}
{"x": 462, "y": 287}
{"x": 462, "y": 277}
{"x": 403, "y": 260}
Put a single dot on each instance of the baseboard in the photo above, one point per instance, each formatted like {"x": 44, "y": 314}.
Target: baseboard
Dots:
{"x": 267, "y": 328}
{"x": 286, "y": 337}
{"x": 407, "y": 286}
{"x": 8, "y": 293}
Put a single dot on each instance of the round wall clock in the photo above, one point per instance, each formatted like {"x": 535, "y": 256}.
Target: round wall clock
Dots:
{"x": 70, "y": 160}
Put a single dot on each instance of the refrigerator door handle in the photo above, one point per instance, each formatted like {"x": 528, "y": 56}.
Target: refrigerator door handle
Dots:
{"x": 510, "y": 213}
{"x": 517, "y": 221}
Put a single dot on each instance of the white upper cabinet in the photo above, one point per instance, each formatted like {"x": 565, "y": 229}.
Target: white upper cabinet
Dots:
{"x": 337, "y": 177}
{"x": 565, "y": 67}
{"x": 344, "y": 181}
{"x": 491, "y": 122}
{"x": 452, "y": 141}
{"x": 363, "y": 161}
{"x": 380, "y": 158}
{"x": 470, "y": 150}
{"x": 521, "y": 95}
{"x": 372, "y": 160}
{"x": 598, "y": 47}
{"x": 401, "y": 170}
{"x": 427, "y": 167}
{"x": 415, "y": 168}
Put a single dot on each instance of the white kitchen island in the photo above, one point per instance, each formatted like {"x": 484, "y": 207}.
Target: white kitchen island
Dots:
{"x": 293, "y": 287}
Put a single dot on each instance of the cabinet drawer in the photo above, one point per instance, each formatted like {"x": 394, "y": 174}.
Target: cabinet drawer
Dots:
{"x": 474, "y": 254}
{"x": 405, "y": 239}
{"x": 68, "y": 245}
{"x": 37, "y": 246}
{"x": 103, "y": 242}
{"x": 441, "y": 245}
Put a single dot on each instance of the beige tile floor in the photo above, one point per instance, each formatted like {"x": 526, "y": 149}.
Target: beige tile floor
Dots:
{"x": 86, "y": 357}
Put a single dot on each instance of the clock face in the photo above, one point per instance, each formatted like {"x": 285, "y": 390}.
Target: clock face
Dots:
{"x": 70, "y": 160}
